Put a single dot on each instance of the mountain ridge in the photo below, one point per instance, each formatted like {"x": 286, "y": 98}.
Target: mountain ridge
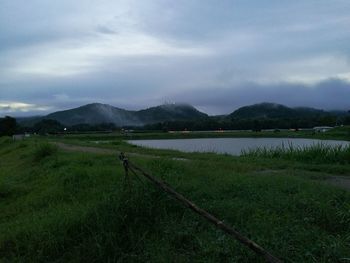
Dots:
{"x": 97, "y": 113}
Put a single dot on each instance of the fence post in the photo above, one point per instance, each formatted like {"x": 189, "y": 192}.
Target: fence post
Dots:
{"x": 125, "y": 162}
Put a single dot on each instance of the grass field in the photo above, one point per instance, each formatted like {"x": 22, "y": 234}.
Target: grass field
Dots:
{"x": 61, "y": 206}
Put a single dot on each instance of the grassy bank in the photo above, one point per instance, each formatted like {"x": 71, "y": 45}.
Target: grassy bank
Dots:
{"x": 70, "y": 206}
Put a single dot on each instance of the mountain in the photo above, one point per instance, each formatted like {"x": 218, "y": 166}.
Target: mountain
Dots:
{"x": 170, "y": 112}
{"x": 28, "y": 121}
{"x": 274, "y": 111}
{"x": 311, "y": 112}
{"x": 97, "y": 113}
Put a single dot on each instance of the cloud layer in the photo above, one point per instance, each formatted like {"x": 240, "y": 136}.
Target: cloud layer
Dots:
{"x": 215, "y": 55}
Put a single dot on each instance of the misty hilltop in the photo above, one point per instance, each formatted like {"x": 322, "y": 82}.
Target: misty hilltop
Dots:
{"x": 97, "y": 113}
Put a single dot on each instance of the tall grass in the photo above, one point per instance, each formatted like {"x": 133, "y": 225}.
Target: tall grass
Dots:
{"x": 74, "y": 207}
{"x": 316, "y": 153}
{"x": 43, "y": 150}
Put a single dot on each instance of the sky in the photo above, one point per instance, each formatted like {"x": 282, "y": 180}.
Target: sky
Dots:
{"x": 215, "y": 55}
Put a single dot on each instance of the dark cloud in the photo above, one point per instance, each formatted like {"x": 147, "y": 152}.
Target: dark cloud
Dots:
{"x": 105, "y": 30}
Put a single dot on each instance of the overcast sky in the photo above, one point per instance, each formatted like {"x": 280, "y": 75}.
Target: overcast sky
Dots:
{"x": 216, "y": 55}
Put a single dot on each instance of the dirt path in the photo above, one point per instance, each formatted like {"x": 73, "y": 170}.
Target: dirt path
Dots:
{"x": 340, "y": 181}
{"x": 77, "y": 148}
{"x": 90, "y": 149}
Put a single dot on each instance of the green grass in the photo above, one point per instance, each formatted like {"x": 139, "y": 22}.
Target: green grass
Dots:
{"x": 74, "y": 207}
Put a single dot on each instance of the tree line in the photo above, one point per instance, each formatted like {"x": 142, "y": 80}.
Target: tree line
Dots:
{"x": 249, "y": 124}
{"x": 9, "y": 125}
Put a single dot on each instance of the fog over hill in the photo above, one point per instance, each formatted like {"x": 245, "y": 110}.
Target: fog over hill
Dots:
{"x": 96, "y": 113}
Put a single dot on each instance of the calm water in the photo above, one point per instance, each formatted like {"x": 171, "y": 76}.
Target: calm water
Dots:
{"x": 232, "y": 146}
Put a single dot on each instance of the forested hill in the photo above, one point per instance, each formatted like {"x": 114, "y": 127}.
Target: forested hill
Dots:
{"x": 273, "y": 111}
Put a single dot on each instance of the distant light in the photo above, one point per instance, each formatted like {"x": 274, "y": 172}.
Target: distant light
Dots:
{"x": 65, "y": 129}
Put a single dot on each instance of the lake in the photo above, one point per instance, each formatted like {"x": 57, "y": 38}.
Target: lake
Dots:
{"x": 233, "y": 146}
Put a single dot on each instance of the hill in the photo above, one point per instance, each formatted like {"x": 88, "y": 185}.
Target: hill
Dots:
{"x": 170, "y": 112}
{"x": 97, "y": 113}
{"x": 93, "y": 114}
{"x": 274, "y": 111}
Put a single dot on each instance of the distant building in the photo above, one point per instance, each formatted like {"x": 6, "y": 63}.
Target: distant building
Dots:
{"x": 322, "y": 128}
{"x": 18, "y": 137}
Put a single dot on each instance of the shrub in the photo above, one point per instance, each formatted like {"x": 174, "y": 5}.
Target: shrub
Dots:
{"x": 44, "y": 150}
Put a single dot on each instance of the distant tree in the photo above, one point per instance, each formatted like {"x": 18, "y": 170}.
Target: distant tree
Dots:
{"x": 81, "y": 127}
{"x": 7, "y": 126}
{"x": 347, "y": 120}
{"x": 106, "y": 126}
{"x": 328, "y": 120}
{"x": 48, "y": 126}
{"x": 257, "y": 126}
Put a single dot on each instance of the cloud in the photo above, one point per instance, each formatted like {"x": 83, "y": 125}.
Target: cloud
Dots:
{"x": 138, "y": 53}
{"x": 9, "y": 107}
{"x": 331, "y": 94}
{"x": 66, "y": 58}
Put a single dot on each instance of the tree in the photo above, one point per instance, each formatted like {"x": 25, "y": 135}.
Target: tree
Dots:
{"x": 328, "y": 120}
{"x": 346, "y": 120}
{"x": 257, "y": 126}
{"x": 7, "y": 126}
{"x": 48, "y": 126}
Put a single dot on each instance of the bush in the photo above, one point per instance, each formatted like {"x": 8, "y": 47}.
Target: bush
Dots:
{"x": 44, "y": 150}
